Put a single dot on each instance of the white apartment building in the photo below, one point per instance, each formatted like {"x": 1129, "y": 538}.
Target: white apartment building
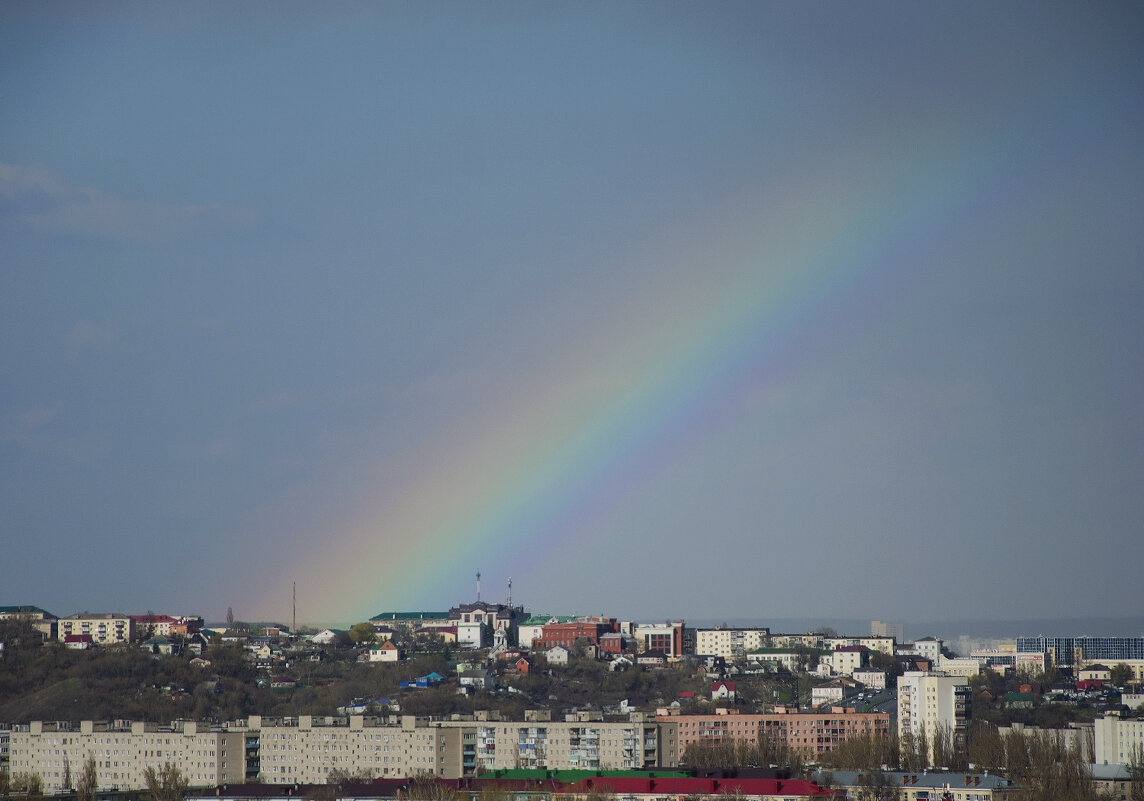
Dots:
{"x": 730, "y": 643}
{"x": 304, "y": 750}
{"x": 927, "y": 648}
{"x": 566, "y": 745}
{"x": 883, "y": 644}
{"x": 122, "y": 752}
{"x": 929, "y": 703}
{"x": 1118, "y": 740}
{"x": 962, "y": 666}
{"x": 105, "y": 628}
{"x": 846, "y": 659}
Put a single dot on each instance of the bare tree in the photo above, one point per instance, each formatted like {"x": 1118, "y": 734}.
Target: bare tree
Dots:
{"x": 166, "y": 784}
{"x": 1136, "y": 774}
{"x": 88, "y": 781}
{"x": 425, "y": 787}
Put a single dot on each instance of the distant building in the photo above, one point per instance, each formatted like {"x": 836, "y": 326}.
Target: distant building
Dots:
{"x": 1072, "y": 651}
{"x": 1117, "y": 739}
{"x": 665, "y": 637}
{"x": 810, "y": 733}
{"x": 880, "y": 628}
{"x": 929, "y": 703}
{"x": 730, "y": 643}
{"x": 105, "y": 628}
{"x": 588, "y": 630}
{"x": 206, "y": 757}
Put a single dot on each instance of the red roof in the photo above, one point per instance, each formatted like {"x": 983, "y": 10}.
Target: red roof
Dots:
{"x": 624, "y": 785}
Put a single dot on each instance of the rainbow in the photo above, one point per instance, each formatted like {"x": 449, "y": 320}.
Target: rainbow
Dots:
{"x": 565, "y": 440}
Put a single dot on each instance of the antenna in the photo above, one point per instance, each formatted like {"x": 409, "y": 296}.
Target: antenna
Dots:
{"x": 478, "y": 586}
{"x": 294, "y": 612}
{"x": 510, "y": 592}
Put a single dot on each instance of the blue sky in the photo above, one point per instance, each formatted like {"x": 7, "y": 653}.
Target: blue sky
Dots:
{"x": 269, "y": 269}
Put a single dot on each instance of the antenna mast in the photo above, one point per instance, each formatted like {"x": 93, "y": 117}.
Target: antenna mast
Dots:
{"x": 294, "y": 612}
{"x": 510, "y": 592}
{"x": 478, "y": 586}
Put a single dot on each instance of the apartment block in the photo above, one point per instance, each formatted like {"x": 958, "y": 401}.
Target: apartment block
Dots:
{"x": 122, "y": 752}
{"x": 1118, "y": 740}
{"x": 566, "y": 745}
{"x": 931, "y": 703}
{"x": 306, "y": 749}
{"x": 104, "y": 628}
{"x": 730, "y": 643}
{"x": 1070, "y": 651}
{"x": 809, "y": 732}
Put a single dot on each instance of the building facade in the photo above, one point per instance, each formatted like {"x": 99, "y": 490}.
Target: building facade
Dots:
{"x": 1070, "y": 651}
{"x": 1118, "y": 740}
{"x": 930, "y": 704}
{"x": 105, "y": 628}
{"x": 809, "y": 732}
{"x": 730, "y": 643}
{"x": 122, "y": 752}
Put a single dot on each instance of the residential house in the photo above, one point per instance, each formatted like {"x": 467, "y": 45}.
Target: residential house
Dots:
{"x": 557, "y": 655}
{"x": 723, "y": 691}
{"x": 386, "y": 651}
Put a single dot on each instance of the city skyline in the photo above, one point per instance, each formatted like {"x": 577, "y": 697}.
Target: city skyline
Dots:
{"x": 671, "y": 310}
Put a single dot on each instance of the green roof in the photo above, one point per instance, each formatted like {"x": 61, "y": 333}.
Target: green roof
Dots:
{"x": 397, "y": 616}
{"x": 24, "y": 610}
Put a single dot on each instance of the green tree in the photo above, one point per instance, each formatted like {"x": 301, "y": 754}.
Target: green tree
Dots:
{"x": 361, "y": 633}
{"x": 165, "y": 784}
{"x": 1120, "y": 674}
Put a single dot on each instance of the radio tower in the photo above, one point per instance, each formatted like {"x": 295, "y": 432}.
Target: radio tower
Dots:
{"x": 478, "y": 586}
{"x": 510, "y": 592}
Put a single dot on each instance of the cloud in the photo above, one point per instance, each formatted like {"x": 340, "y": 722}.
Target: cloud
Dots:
{"x": 32, "y": 431}
{"x": 40, "y": 200}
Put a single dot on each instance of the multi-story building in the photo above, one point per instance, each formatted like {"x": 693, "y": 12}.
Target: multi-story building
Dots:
{"x": 883, "y": 644}
{"x": 730, "y": 643}
{"x": 927, "y": 647}
{"x": 586, "y": 629}
{"x": 104, "y": 628}
{"x": 786, "y": 641}
{"x": 664, "y": 637}
{"x": 1118, "y": 740}
{"x": 581, "y": 743}
{"x": 477, "y": 622}
{"x": 809, "y": 732}
{"x": 882, "y": 628}
{"x": 123, "y": 751}
{"x": 531, "y": 629}
{"x": 43, "y": 622}
{"x": 305, "y": 750}
{"x": 845, "y": 659}
{"x": 166, "y": 625}
{"x": 930, "y": 704}
{"x": 1071, "y": 651}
